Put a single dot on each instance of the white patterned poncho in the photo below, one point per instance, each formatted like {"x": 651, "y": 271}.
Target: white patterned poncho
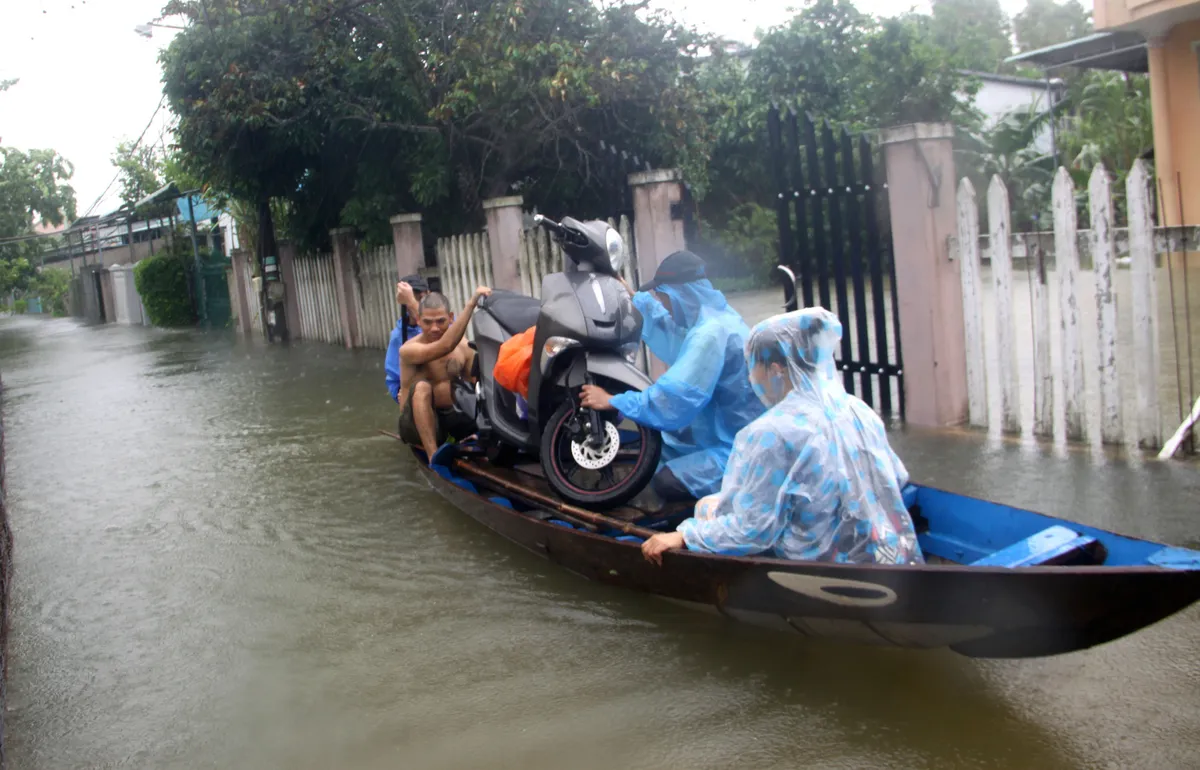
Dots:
{"x": 813, "y": 478}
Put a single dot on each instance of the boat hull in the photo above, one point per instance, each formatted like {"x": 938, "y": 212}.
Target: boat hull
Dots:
{"x": 979, "y": 612}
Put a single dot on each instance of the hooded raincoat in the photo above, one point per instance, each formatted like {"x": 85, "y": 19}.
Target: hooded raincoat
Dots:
{"x": 704, "y": 398}
{"x": 814, "y": 478}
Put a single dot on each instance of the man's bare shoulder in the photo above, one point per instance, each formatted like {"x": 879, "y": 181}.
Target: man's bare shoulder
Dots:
{"x": 415, "y": 341}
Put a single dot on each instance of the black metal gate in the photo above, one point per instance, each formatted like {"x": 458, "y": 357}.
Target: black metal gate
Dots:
{"x": 834, "y": 237}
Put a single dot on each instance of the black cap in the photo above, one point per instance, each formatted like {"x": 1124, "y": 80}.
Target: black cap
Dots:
{"x": 680, "y": 267}
{"x": 416, "y": 282}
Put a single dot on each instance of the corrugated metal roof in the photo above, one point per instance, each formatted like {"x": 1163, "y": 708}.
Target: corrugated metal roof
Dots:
{"x": 1120, "y": 51}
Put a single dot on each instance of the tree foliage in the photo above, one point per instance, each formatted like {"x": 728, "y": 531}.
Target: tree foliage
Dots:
{"x": 1110, "y": 124}
{"x": 140, "y": 170}
{"x": 835, "y": 63}
{"x": 34, "y": 188}
{"x": 52, "y": 285}
{"x": 976, "y": 34}
{"x": 351, "y": 111}
{"x": 1048, "y": 22}
{"x": 1009, "y": 150}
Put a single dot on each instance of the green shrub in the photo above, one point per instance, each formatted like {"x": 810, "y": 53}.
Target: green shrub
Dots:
{"x": 162, "y": 283}
{"x": 20, "y": 306}
{"x": 52, "y": 284}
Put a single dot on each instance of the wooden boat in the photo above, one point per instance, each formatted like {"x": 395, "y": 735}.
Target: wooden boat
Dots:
{"x": 1000, "y": 582}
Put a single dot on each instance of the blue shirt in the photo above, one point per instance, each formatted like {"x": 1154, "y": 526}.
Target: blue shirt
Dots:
{"x": 391, "y": 361}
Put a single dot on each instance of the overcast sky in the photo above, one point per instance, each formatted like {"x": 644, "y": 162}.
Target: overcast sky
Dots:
{"x": 87, "y": 81}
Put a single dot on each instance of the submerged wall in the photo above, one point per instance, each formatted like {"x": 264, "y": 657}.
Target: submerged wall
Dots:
{"x": 5, "y": 582}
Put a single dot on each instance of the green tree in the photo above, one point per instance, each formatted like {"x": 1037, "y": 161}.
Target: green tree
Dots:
{"x": 835, "y": 63}
{"x": 1047, "y": 22}
{"x": 1110, "y": 123}
{"x": 975, "y": 33}
{"x": 33, "y": 188}
{"x": 349, "y": 111}
{"x": 141, "y": 173}
{"x": 52, "y": 285}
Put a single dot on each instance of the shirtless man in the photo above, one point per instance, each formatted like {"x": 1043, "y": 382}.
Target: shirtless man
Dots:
{"x": 429, "y": 363}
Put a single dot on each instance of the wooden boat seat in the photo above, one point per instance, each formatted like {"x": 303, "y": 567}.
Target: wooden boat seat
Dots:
{"x": 1052, "y": 546}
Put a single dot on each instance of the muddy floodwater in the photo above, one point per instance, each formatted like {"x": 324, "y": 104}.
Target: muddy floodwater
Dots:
{"x": 220, "y": 564}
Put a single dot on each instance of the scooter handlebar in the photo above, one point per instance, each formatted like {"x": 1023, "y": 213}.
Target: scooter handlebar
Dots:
{"x": 549, "y": 224}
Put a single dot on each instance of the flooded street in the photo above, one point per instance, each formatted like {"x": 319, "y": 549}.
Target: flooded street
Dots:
{"x": 220, "y": 564}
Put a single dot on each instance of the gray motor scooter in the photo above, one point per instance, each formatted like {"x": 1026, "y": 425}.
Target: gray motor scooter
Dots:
{"x": 588, "y": 332}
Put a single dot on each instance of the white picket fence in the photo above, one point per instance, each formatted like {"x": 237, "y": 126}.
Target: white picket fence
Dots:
{"x": 464, "y": 262}
{"x": 320, "y": 317}
{"x": 1091, "y": 358}
{"x": 376, "y": 275}
{"x": 539, "y": 256}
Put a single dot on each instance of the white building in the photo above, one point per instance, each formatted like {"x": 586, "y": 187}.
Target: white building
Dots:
{"x": 1001, "y": 95}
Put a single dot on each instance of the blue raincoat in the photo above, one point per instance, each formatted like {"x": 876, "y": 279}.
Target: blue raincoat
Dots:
{"x": 704, "y": 398}
{"x": 814, "y": 478}
{"x": 391, "y": 360}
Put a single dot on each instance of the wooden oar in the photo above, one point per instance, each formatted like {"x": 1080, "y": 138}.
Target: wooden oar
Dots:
{"x": 585, "y": 516}
{"x": 549, "y": 502}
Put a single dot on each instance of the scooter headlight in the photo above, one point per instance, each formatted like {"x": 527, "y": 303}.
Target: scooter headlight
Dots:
{"x": 554, "y": 346}
{"x": 616, "y": 249}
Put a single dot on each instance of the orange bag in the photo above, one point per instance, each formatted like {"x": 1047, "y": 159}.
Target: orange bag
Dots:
{"x": 512, "y": 365}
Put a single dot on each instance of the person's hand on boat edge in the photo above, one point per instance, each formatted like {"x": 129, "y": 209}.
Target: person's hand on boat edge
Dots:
{"x": 595, "y": 397}
{"x": 655, "y": 547}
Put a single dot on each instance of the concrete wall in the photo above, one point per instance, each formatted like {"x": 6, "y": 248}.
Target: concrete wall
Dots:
{"x": 1111, "y": 14}
{"x": 1175, "y": 87}
{"x": 1172, "y": 32}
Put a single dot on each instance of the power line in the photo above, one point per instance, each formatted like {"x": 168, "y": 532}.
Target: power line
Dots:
{"x": 136, "y": 144}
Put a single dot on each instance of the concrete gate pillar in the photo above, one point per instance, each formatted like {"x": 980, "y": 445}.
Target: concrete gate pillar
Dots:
{"x": 921, "y": 185}
{"x": 408, "y": 244}
{"x": 656, "y": 232}
{"x": 504, "y": 241}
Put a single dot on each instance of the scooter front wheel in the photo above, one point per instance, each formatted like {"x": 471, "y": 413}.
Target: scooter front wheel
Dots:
{"x": 603, "y": 476}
